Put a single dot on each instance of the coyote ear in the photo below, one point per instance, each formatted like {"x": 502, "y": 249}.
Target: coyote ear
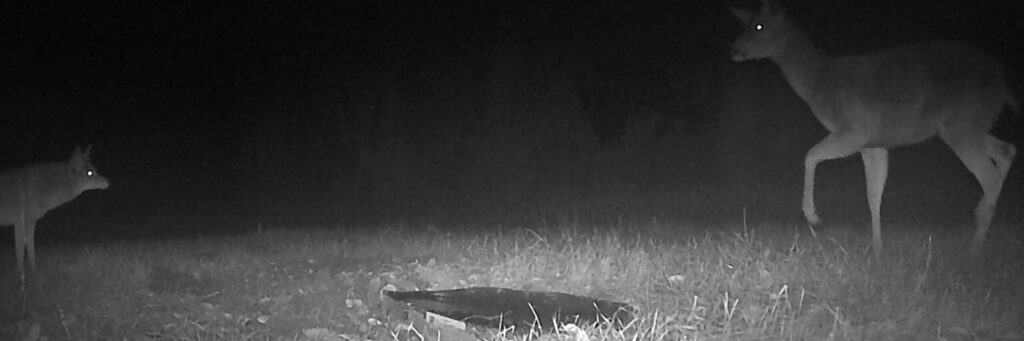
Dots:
{"x": 88, "y": 149}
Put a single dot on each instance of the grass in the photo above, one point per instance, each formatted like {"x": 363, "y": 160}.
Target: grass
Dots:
{"x": 689, "y": 282}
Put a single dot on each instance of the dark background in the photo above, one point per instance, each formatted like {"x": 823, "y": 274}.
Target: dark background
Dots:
{"x": 221, "y": 115}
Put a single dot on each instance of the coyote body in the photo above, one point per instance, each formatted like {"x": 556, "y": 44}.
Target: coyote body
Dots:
{"x": 26, "y": 194}
{"x": 890, "y": 98}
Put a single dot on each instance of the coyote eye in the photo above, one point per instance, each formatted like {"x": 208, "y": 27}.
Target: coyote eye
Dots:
{"x": 758, "y": 27}
{"x": 89, "y": 173}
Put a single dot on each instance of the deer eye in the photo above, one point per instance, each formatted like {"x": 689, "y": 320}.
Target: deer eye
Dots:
{"x": 758, "y": 27}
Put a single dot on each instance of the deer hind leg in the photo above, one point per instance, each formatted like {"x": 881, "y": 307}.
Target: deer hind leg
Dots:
{"x": 876, "y": 170}
{"x": 989, "y": 159}
{"x": 30, "y": 244}
{"x": 834, "y": 146}
{"x": 1002, "y": 154}
{"x": 19, "y": 245}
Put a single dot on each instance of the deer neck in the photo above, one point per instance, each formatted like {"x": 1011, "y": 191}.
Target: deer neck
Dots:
{"x": 801, "y": 63}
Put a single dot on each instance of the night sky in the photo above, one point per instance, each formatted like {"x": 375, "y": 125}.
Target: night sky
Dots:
{"x": 217, "y": 115}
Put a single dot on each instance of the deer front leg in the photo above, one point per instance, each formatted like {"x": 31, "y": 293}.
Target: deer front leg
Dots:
{"x": 876, "y": 170}
{"x": 835, "y": 145}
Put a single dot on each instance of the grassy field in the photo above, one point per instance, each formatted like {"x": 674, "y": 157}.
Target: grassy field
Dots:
{"x": 732, "y": 281}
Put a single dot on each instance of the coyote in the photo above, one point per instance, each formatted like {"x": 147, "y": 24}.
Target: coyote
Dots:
{"x": 26, "y": 194}
{"x": 890, "y": 98}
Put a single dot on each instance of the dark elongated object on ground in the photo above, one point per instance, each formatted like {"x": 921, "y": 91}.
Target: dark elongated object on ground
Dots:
{"x": 499, "y": 308}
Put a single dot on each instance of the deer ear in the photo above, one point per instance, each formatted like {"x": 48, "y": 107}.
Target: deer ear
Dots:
{"x": 769, "y": 7}
{"x": 742, "y": 14}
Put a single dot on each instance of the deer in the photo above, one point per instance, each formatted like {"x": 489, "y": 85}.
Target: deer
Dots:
{"x": 900, "y": 96}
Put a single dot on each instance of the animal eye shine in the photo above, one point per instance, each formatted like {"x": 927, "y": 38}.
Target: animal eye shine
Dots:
{"x": 758, "y": 27}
